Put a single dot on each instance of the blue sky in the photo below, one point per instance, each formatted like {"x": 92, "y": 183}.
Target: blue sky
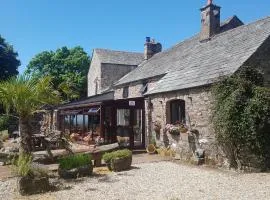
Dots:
{"x": 33, "y": 26}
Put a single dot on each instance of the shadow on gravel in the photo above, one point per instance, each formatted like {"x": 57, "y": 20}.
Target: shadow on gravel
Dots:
{"x": 58, "y": 185}
{"x": 107, "y": 179}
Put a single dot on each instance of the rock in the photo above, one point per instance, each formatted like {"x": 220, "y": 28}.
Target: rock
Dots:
{"x": 11, "y": 149}
{"x": 1, "y": 144}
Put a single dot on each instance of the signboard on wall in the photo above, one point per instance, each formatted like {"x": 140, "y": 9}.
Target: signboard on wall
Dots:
{"x": 131, "y": 103}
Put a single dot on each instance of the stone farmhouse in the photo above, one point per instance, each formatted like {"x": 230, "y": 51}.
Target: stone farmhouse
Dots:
{"x": 129, "y": 92}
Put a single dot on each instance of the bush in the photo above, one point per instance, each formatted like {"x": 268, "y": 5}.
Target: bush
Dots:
{"x": 108, "y": 157}
{"x": 4, "y": 135}
{"x": 22, "y": 164}
{"x": 23, "y": 167}
{"x": 241, "y": 117}
{"x": 74, "y": 161}
{"x": 4, "y": 122}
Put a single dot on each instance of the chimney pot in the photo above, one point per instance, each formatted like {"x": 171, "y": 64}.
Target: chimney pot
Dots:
{"x": 147, "y": 39}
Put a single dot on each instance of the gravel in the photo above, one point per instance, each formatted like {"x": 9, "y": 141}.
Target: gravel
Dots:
{"x": 162, "y": 180}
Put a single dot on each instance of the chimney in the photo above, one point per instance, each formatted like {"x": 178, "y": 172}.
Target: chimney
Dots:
{"x": 151, "y": 48}
{"x": 210, "y": 20}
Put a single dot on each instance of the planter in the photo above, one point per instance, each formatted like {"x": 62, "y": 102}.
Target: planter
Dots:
{"x": 151, "y": 149}
{"x": 33, "y": 185}
{"x": 175, "y": 132}
{"x": 183, "y": 130}
{"x": 82, "y": 171}
{"x": 120, "y": 164}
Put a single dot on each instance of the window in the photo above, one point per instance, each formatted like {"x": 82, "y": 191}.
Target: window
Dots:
{"x": 125, "y": 92}
{"x": 123, "y": 117}
{"x": 177, "y": 111}
{"x": 144, "y": 88}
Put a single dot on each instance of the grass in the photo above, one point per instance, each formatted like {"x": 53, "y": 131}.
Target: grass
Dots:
{"x": 22, "y": 166}
{"x": 74, "y": 161}
{"x": 125, "y": 153}
{"x": 4, "y": 135}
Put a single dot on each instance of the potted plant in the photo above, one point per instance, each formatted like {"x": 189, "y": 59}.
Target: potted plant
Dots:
{"x": 183, "y": 128}
{"x": 172, "y": 129}
{"x": 74, "y": 166}
{"x": 118, "y": 160}
{"x": 32, "y": 179}
{"x": 151, "y": 148}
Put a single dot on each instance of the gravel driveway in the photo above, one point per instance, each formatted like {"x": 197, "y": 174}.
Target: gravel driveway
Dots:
{"x": 162, "y": 180}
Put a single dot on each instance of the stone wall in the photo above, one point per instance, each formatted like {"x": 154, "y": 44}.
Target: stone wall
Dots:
{"x": 198, "y": 117}
{"x": 110, "y": 73}
{"x": 134, "y": 89}
{"x": 94, "y": 76}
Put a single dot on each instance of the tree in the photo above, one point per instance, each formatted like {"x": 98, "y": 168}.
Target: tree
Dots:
{"x": 9, "y": 62}
{"x": 25, "y": 96}
{"x": 67, "y": 67}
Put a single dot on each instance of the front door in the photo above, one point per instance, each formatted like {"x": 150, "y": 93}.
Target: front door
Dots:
{"x": 130, "y": 127}
{"x": 137, "y": 128}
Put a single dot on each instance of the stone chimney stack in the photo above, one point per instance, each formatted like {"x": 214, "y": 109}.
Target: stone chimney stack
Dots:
{"x": 210, "y": 20}
{"x": 151, "y": 48}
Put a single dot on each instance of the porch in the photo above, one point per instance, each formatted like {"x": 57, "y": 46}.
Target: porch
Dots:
{"x": 102, "y": 120}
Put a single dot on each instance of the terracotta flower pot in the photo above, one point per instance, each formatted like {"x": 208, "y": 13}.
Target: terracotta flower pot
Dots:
{"x": 151, "y": 149}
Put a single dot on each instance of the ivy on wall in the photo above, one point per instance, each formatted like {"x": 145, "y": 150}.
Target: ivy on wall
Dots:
{"x": 241, "y": 118}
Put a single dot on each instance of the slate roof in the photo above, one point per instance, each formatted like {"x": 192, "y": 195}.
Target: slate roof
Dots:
{"x": 92, "y": 100}
{"x": 119, "y": 57}
{"x": 192, "y": 63}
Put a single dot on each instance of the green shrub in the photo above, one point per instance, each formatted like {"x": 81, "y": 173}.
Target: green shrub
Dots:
{"x": 74, "y": 161}
{"x": 125, "y": 153}
{"x": 4, "y": 122}
{"x": 23, "y": 166}
{"x": 4, "y": 135}
{"x": 241, "y": 118}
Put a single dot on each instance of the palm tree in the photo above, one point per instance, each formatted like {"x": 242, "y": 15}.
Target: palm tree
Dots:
{"x": 25, "y": 96}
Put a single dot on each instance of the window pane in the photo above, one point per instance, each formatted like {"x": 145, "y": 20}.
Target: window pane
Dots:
{"x": 123, "y": 116}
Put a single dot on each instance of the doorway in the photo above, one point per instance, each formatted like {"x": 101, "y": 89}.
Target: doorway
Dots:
{"x": 130, "y": 127}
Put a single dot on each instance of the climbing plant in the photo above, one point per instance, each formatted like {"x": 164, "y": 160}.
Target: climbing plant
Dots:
{"x": 241, "y": 118}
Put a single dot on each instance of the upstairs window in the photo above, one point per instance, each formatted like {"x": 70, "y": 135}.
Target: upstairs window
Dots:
{"x": 144, "y": 88}
{"x": 125, "y": 92}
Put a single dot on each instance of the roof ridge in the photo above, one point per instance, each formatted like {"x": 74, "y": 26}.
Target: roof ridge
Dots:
{"x": 104, "y": 49}
{"x": 219, "y": 34}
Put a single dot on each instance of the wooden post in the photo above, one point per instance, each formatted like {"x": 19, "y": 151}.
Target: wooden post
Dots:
{"x": 114, "y": 125}
{"x": 102, "y": 114}
{"x": 83, "y": 124}
{"x": 131, "y": 124}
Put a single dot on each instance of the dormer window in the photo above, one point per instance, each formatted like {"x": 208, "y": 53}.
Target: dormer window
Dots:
{"x": 144, "y": 88}
{"x": 125, "y": 92}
